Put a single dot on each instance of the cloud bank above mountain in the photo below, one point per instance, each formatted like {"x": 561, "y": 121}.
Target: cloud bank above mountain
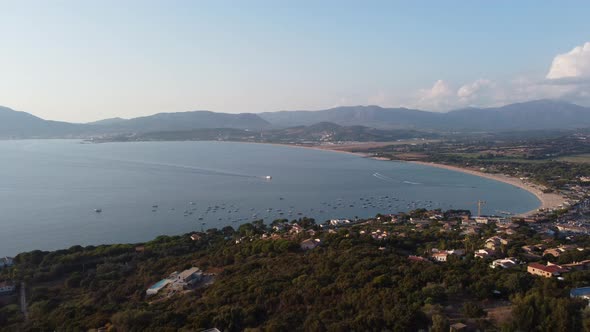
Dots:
{"x": 568, "y": 78}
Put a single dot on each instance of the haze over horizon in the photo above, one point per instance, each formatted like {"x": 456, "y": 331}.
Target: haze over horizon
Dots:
{"x": 81, "y": 62}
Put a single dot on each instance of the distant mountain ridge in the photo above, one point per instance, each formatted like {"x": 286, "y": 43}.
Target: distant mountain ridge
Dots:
{"x": 538, "y": 114}
{"x": 185, "y": 121}
{"x": 14, "y": 124}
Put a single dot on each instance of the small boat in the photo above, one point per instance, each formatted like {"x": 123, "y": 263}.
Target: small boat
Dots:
{"x": 98, "y": 210}
{"x": 268, "y": 177}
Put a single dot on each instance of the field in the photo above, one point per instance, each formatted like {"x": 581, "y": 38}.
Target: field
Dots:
{"x": 580, "y": 158}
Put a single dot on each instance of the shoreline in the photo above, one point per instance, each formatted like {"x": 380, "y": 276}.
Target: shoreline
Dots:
{"x": 548, "y": 201}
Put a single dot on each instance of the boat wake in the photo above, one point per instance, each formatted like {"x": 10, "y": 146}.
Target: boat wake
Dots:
{"x": 410, "y": 182}
{"x": 167, "y": 167}
{"x": 384, "y": 178}
{"x": 391, "y": 180}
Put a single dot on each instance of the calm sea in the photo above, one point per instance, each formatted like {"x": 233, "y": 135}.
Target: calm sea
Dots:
{"x": 50, "y": 189}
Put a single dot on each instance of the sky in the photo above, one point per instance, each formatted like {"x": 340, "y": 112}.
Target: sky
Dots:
{"x": 82, "y": 60}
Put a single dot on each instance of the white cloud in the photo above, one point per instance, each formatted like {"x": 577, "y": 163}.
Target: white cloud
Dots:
{"x": 574, "y": 64}
{"x": 568, "y": 79}
{"x": 471, "y": 90}
{"x": 439, "y": 97}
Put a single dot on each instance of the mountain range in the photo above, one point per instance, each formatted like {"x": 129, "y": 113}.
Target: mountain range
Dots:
{"x": 539, "y": 114}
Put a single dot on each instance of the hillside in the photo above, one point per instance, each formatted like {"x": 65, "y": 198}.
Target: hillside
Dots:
{"x": 323, "y": 132}
{"x": 539, "y": 114}
{"x": 185, "y": 121}
{"x": 14, "y": 124}
{"x": 533, "y": 115}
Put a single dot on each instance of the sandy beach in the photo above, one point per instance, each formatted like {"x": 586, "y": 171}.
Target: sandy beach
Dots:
{"x": 548, "y": 200}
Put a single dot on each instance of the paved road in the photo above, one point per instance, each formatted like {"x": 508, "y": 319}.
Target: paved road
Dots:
{"x": 23, "y": 301}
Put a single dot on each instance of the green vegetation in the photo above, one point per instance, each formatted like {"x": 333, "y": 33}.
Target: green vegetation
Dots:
{"x": 350, "y": 282}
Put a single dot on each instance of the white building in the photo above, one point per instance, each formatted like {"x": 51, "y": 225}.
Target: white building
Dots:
{"x": 504, "y": 263}
{"x": 336, "y": 222}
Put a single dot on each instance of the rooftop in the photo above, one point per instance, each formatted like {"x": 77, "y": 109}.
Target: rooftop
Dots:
{"x": 187, "y": 273}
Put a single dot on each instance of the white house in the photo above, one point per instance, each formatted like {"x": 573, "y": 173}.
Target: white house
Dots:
{"x": 310, "y": 244}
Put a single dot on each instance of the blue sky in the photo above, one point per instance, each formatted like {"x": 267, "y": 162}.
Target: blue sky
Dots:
{"x": 83, "y": 60}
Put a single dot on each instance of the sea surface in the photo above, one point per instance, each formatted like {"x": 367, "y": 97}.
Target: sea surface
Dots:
{"x": 50, "y": 189}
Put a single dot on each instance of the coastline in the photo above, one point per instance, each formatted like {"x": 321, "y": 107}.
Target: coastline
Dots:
{"x": 548, "y": 201}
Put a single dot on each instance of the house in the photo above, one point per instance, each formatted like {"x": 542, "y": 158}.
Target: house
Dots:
{"x": 495, "y": 243}
{"x": 189, "y": 277}
{"x": 546, "y": 271}
{"x": 7, "y": 287}
{"x": 481, "y": 220}
{"x": 418, "y": 259}
{"x": 195, "y": 237}
{"x": 177, "y": 280}
{"x": 504, "y": 263}
{"x": 484, "y": 253}
{"x": 336, "y": 222}
{"x": 556, "y": 252}
{"x": 6, "y": 262}
{"x": 310, "y": 244}
{"x": 296, "y": 229}
{"x": 534, "y": 249}
{"x": 442, "y": 255}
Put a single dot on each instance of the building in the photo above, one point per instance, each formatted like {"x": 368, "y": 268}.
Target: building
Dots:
{"x": 495, "y": 243}
{"x": 336, "y": 222}
{"x": 546, "y": 271}
{"x": 6, "y": 262}
{"x": 418, "y": 259}
{"x": 556, "y": 252}
{"x": 189, "y": 277}
{"x": 177, "y": 280}
{"x": 442, "y": 255}
{"x": 195, "y": 237}
{"x": 310, "y": 244}
{"x": 484, "y": 253}
{"x": 7, "y": 287}
{"x": 504, "y": 263}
